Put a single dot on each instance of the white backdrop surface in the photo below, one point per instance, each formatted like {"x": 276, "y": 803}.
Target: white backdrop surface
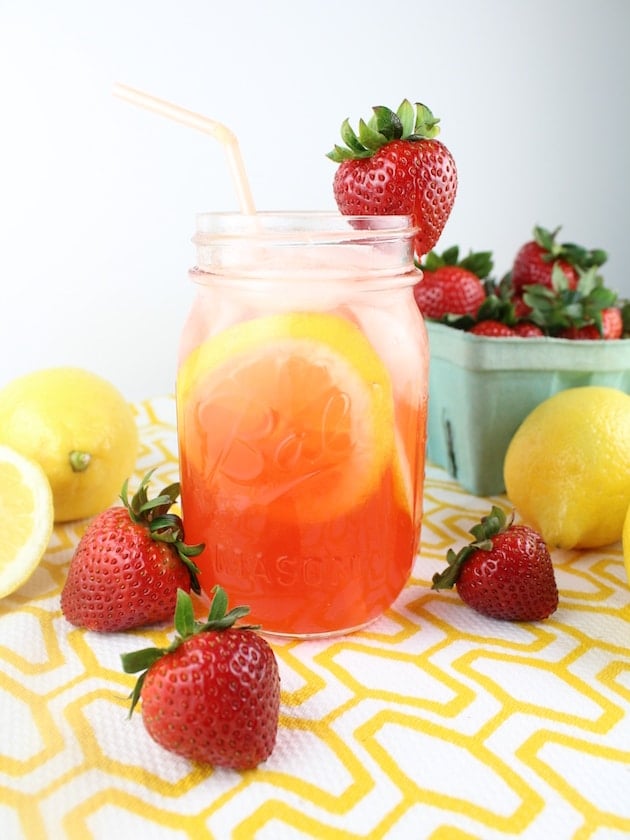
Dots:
{"x": 98, "y": 198}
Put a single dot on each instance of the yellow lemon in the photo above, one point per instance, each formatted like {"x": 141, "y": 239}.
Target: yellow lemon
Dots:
{"x": 26, "y": 509}
{"x": 81, "y": 431}
{"x": 567, "y": 468}
{"x": 298, "y": 400}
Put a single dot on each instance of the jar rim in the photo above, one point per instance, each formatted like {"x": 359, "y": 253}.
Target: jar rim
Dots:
{"x": 293, "y": 226}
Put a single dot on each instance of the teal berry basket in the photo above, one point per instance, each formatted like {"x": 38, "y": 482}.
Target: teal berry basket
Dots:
{"x": 481, "y": 389}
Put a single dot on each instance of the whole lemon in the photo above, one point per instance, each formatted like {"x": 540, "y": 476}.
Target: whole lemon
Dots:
{"x": 567, "y": 468}
{"x": 81, "y": 431}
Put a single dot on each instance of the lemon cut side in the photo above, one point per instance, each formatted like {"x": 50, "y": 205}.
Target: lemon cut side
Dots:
{"x": 294, "y": 367}
{"x": 26, "y": 510}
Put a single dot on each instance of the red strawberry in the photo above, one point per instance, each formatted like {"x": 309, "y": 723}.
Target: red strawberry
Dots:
{"x": 492, "y": 329}
{"x": 612, "y": 323}
{"x": 535, "y": 260}
{"x": 129, "y": 564}
{"x": 505, "y": 573}
{"x": 611, "y": 328}
{"x": 521, "y": 309}
{"x": 451, "y": 286}
{"x": 394, "y": 166}
{"x": 449, "y": 290}
{"x": 213, "y": 695}
{"x": 527, "y": 330}
{"x": 532, "y": 267}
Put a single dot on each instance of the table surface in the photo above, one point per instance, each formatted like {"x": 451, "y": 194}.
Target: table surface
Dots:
{"x": 434, "y": 722}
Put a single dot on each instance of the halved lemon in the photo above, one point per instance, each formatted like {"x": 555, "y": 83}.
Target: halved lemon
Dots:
{"x": 26, "y": 510}
{"x": 291, "y": 412}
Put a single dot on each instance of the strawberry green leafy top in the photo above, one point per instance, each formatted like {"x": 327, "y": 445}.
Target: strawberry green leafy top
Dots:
{"x": 186, "y": 626}
{"x": 163, "y": 526}
{"x": 406, "y": 123}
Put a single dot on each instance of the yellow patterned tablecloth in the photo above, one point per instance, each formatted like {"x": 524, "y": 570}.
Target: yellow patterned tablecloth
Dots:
{"x": 433, "y": 723}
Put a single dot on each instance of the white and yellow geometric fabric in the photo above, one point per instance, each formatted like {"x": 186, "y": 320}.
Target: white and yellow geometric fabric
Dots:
{"x": 433, "y": 723}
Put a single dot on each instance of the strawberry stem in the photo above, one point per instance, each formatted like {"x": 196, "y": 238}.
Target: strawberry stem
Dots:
{"x": 186, "y": 626}
{"x": 163, "y": 526}
{"x": 574, "y": 254}
{"x": 490, "y": 526}
{"x": 480, "y": 263}
{"x": 407, "y": 123}
{"x": 560, "y": 306}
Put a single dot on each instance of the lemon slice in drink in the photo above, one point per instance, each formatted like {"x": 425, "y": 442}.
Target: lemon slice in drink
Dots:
{"x": 26, "y": 509}
{"x": 290, "y": 412}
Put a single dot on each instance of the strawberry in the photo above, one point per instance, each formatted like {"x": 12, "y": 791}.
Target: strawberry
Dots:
{"x": 450, "y": 286}
{"x": 611, "y": 327}
{"x": 505, "y": 573}
{"x": 535, "y": 260}
{"x": 586, "y": 311}
{"x": 213, "y": 695}
{"x": 527, "y": 330}
{"x": 129, "y": 564}
{"x": 521, "y": 309}
{"x": 395, "y": 166}
{"x": 612, "y": 323}
{"x": 492, "y": 329}
{"x": 532, "y": 266}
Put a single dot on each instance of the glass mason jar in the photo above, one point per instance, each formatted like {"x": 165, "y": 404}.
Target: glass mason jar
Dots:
{"x": 301, "y": 406}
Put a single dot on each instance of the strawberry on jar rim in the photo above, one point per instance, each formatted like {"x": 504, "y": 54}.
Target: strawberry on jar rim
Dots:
{"x": 394, "y": 166}
{"x": 213, "y": 695}
{"x": 129, "y": 564}
{"x": 505, "y": 573}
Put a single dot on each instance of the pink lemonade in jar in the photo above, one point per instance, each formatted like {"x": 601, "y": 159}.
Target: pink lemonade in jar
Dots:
{"x": 302, "y": 401}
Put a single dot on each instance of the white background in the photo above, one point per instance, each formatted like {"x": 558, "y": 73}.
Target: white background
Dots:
{"x": 98, "y": 198}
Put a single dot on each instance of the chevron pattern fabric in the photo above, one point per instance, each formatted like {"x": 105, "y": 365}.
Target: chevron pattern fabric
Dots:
{"x": 434, "y": 722}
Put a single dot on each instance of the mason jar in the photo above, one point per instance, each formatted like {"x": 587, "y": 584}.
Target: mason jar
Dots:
{"x": 302, "y": 406}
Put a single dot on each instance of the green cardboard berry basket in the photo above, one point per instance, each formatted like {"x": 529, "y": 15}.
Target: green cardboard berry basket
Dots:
{"x": 481, "y": 389}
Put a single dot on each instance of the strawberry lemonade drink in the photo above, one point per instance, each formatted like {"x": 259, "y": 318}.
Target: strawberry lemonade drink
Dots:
{"x": 301, "y": 400}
